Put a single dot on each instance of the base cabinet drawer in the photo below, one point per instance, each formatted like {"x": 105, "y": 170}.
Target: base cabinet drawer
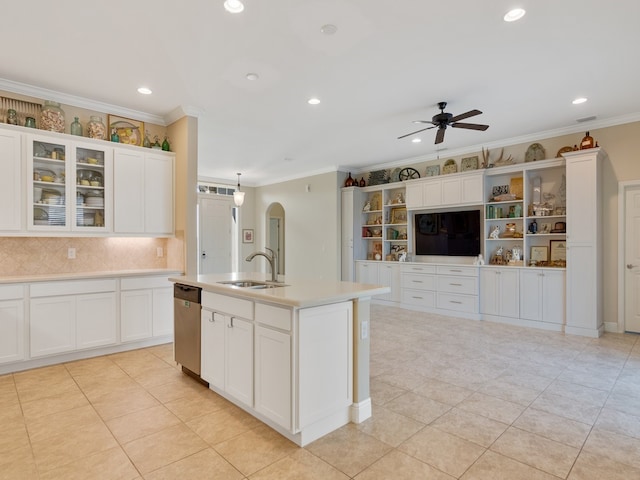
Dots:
{"x": 417, "y": 281}
{"x": 459, "y": 303}
{"x": 463, "y": 285}
{"x": 419, "y": 298}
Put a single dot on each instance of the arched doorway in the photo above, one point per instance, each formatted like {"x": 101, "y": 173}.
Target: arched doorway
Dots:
{"x": 275, "y": 233}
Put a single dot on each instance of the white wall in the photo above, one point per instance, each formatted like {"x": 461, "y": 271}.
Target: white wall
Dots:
{"x": 312, "y": 224}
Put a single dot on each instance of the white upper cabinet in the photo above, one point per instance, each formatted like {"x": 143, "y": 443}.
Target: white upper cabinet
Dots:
{"x": 446, "y": 190}
{"x": 10, "y": 181}
{"x": 143, "y": 192}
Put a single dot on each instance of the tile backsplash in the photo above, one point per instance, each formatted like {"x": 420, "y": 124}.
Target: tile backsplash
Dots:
{"x": 43, "y": 255}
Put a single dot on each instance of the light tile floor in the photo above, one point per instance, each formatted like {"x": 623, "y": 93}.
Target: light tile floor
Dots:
{"x": 451, "y": 398}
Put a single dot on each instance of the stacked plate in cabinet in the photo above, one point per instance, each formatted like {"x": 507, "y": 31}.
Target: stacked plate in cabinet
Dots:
{"x": 94, "y": 199}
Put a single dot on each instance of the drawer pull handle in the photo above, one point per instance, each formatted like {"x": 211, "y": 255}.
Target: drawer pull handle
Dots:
{"x": 418, "y": 298}
{"x": 230, "y": 323}
{"x": 456, "y": 284}
{"x": 455, "y": 301}
{"x": 416, "y": 281}
{"x": 457, "y": 271}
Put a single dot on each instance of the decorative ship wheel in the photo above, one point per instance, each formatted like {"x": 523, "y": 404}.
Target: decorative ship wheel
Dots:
{"x": 408, "y": 174}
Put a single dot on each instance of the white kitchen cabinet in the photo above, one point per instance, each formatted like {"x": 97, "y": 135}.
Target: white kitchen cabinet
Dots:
{"x": 143, "y": 192}
{"x": 146, "y": 307}
{"x": 162, "y": 323}
{"x": 585, "y": 310}
{"x": 96, "y": 324}
{"x": 52, "y": 325}
{"x": 136, "y": 315}
{"x": 325, "y": 361}
{"x": 11, "y": 323}
{"x": 11, "y": 182}
{"x": 228, "y": 361}
{"x": 273, "y": 380}
{"x": 239, "y": 359}
{"x": 227, "y": 354}
{"x": 542, "y": 295}
{"x": 70, "y": 315}
{"x": 499, "y": 294}
{"x": 213, "y": 326}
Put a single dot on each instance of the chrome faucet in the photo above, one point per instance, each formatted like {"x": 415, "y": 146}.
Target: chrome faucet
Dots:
{"x": 272, "y": 259}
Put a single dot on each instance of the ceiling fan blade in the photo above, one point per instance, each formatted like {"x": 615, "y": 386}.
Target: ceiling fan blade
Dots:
{"x": 422, "y": 121}
{"x": 462, "y": 116}
{"x": 413, "y": 133}
{"x": 440, "y": 136}
{"x": 470, "y": 126}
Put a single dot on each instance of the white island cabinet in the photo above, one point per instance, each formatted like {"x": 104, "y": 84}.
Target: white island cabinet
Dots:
{"x": 287, "y": 355}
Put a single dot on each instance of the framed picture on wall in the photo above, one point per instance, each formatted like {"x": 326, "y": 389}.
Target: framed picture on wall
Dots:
{"x": 558, "y": 250}
{"x": 247, "y": 235}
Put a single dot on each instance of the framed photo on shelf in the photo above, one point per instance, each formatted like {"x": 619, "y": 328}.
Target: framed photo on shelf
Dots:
{"x": 398, "y": 215}
{"x": 558, "y": 250}
{"x": 539, "y": 254}
{"x": 247, "y": 235}
{"x": 130, "y": 132}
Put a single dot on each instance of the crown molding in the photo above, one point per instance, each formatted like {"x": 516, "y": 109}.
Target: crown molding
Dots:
{"x": 530, "y": 137}
{"x": 81, "y": 102}
{"x": 182, "y": 111}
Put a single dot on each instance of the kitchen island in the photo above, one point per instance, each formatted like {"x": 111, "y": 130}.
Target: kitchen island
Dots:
{"x": 295, "y": 355}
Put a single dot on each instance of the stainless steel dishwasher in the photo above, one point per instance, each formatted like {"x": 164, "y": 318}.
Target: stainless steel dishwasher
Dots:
{"x": 186, "y": 324}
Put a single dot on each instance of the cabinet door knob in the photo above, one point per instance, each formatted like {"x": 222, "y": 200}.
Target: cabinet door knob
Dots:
{"x": 631, "y": 265}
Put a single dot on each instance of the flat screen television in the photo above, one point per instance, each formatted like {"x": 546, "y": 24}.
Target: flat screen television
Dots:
{"x": 448, "y": 233}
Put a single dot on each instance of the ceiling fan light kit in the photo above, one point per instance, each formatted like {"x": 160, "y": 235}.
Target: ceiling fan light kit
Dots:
{"x": 443, "y": 120}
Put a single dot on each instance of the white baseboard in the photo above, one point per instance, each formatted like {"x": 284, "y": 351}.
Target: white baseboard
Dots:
{"x": 361, "y": 411}
{"x": 611, "y": 327}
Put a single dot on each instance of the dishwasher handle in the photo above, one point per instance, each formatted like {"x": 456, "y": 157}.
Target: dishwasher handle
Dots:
{"x": 187, "y": 292}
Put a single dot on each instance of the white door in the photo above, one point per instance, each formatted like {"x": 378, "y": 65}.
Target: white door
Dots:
{"x": 214, "y": 235}
{"x": 632, "y": 260}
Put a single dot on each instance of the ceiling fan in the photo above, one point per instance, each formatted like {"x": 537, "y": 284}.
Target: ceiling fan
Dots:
{"x": 443, "y": 120}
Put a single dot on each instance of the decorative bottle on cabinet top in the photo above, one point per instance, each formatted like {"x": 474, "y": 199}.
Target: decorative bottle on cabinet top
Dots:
{"x": 75, "y": 128}
{"x": 587, "y": 142}
{"x": 349, "y": 182}
{"x": 52, "y": 117}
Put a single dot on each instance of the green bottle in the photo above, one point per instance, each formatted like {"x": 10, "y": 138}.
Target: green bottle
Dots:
{"x": 165, "y": 145}
{"x": 75, "y": 128}
{"x": 114, "y": 136}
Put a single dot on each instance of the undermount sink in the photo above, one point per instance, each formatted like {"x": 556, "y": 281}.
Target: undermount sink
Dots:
{"x": 253, "y": 284}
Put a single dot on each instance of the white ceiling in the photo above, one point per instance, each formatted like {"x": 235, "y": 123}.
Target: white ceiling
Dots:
{"x": 389, "y": 63}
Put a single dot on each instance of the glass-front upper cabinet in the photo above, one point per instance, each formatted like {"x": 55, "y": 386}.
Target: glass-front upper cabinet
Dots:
{"x": 70, "y": 185}
{"x": 92, "y": 188}
{"x": 48, "y": 179}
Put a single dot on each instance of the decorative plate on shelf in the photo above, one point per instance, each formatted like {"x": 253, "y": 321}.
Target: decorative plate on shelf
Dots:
{"x": 566, "y": 149}
{"x": 433, "y": 171}
{"x": 450, "y": 166}
{"x": 469, "y": 163}
{"x": 535, "y": 152}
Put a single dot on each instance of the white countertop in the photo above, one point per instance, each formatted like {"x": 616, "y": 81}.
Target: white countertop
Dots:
{"x": 299, "y": 292}
{"x": 51, "y": 277}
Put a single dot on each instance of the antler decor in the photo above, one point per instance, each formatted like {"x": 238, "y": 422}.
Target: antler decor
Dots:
{"x": 499, "y": 162}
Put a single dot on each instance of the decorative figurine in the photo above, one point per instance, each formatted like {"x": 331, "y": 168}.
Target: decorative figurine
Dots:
{"x": 495, "y": 233}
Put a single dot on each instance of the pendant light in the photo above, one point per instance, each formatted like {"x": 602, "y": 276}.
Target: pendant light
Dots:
{"x": 238, "y": 196}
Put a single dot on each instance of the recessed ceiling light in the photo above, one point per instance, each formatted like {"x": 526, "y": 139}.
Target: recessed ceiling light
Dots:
{"x": 579, "y": 100}
{"x": 513, "y": 15}
{"x": 416, "y": 140}
{"x": 145, "y": 91}
{"x": 313, "y": 101}
{"x": 233, "y": 6}
{"x": 328, "y": 29}
{"x": 252, "y": 76}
